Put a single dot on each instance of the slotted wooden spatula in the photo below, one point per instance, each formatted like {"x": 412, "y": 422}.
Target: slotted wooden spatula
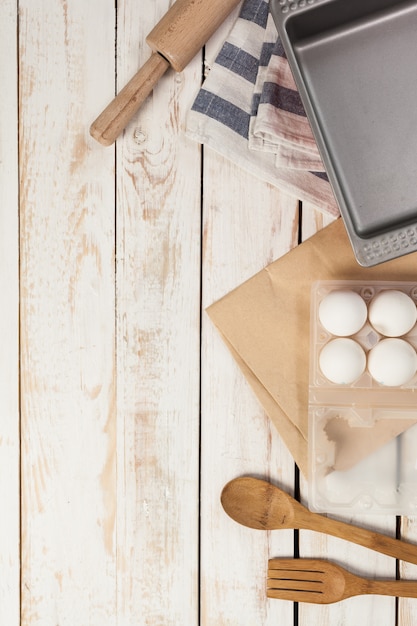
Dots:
{"x": 321, "y": 582}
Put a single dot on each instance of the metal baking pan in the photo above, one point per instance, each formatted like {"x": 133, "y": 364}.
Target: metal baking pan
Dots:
{"x": 355, "y": 65}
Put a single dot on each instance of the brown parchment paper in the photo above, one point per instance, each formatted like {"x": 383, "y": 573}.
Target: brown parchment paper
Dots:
{"x": 265, "y": 323}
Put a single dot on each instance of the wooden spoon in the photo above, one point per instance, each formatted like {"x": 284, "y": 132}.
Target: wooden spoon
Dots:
{"x": 320, "y": 582}
{"x": 259, "y": 504}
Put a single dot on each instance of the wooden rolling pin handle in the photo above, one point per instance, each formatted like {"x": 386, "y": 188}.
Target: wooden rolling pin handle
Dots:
{"x": 115, "y": 117}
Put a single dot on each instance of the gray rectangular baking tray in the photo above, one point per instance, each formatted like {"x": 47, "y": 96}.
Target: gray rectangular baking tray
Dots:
{"x": 355, "y": 65}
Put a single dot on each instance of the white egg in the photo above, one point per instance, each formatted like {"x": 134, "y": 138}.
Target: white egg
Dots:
{"x": 392, "y": 313}
{"x": 342, "y": 361}
{"x": 342, "y": 312}
{"x": 392, "y": 362}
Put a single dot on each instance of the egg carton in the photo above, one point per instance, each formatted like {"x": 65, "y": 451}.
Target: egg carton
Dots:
{"x": 362, "y": 433}
{"x": 365, "y": 387}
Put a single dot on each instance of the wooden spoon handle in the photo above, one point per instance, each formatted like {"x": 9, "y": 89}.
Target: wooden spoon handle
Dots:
{"x": 110, "y": 123}
{"x": 367, "y": 538}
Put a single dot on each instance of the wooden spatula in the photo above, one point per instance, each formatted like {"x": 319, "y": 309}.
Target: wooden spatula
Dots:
{"x": 321, "y": 582}
{"x": 175, "y": 40}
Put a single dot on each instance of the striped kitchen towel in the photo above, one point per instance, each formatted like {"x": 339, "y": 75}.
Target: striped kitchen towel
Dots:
{"x": 249, "y": 110}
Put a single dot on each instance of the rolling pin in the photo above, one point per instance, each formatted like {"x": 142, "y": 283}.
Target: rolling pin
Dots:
{"x": 174, "y": 41}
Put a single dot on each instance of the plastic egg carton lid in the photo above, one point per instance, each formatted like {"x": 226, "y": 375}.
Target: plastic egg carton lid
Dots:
{"x": 362, "y": 460}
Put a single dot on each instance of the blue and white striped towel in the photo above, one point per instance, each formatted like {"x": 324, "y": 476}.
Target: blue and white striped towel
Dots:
{"x": 249, "y": 110}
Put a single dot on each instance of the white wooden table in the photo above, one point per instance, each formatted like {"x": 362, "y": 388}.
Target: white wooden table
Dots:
{"x": 122, "y": 412}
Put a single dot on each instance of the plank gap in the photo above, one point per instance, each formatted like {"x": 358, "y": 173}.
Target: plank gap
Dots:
{"x": 199, "y": 568}
{"x": 19, "y": 309}
{"x": 300, "y": 222}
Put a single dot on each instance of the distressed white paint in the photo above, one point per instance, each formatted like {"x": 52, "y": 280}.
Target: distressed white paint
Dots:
{"x": 110, "y": 261}
{"x": 9, "y": 319}
{"x": 158, "y": 341}
{"x": 67, "y": 316}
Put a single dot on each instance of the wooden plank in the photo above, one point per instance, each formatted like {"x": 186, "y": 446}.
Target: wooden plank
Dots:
{"x": 67, "y": 315}
{"x": 247, "y": 224}
{"x": 9, "y": 320}
{"x": 360, "y": 610}
{"x": 158, "y": 341}
{"x": 407, "y": 608}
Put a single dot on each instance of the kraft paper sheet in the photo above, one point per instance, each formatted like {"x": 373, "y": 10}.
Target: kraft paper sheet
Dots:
{"x": 265, "y": 323}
